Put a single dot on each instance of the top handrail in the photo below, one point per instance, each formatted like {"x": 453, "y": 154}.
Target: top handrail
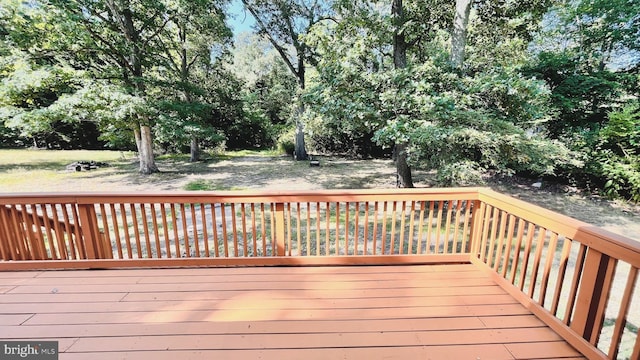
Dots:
{"x": 606, "y": 242}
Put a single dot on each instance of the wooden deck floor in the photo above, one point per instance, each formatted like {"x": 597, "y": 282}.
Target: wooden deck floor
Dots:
{"x": 390, "y": 312}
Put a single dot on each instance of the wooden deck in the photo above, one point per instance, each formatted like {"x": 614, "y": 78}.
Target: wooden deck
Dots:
{"x": 354, "y": 312}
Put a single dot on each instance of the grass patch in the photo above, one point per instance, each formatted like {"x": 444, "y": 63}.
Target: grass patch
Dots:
{"x": 206, "y": 185}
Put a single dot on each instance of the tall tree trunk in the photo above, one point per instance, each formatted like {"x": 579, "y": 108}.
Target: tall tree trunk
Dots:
{"x": 300, "y": 148}
{"x": 403, "y": 170}
{"x": 194, "y": 153}
{"x": 144, "y": 139}
{"x": 459, "y": 36}
{"x": 195, "y": 149}
{"x": 145, "y": 151}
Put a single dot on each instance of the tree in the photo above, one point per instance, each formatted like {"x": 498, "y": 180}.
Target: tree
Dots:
{"x": 400, "y": 46}
{"x": 186, "y": 43}
{"x": 32, "y": 82}
{"x": 284, "y": 23}
{"x": 121, "y": 36}
{"x": 461, "y": 122}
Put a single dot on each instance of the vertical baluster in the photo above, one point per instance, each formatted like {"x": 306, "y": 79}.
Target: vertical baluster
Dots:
{"x": 383, "y": 234}
{"x": 76, "y": 221}
{"x": 516, "y": 255}
{"x": 34, "y": 236}
{"x": 456, "y": 226}
{"x": 244, "y": 230}
{"x": 145, "y": 226}
{"x": 562, "y": 270}
{"x": 393, "y": 228}
{"x": 571, "y": 300}
{"x": 403, "y": 215}
{"x": 60, "y": 233}
{"x": 500, "y": 240}
{"x": 185, "y": 231}
{"x": 547, "y": 267}
{"x": 116, "y": 230}
{"x": 430, "y": 227}
{"x": 223, "y": 216}
{"x": 156, "y": 235}
{"x": 194, "y": 225}
{"x": 165, "y": 230}
{"x": 176, "y": 237}
{"x": 298, "y": 230}
{"x": 48, "y": 231}
{"x": 527, "y": 253}
{"x": 366, "y": 229}
{"x": 106, "y": 233}
{"x": 495, "y": 223}
{"x": 346, "y": 229}
{"x": 411, "y": 238}
{"x": 337, "y": 235}
{"x": 420, "y": 228}
{"x": 623, "y": 313}
{"x": 375, "y": 227}
{"x": 214, "y": 221}
{"x": 507, "y": 254}
{"x": 254, "y": 231}
{"x": 488, "y": 224}
{"x": 356, "y": 232}
{"x": 447, "y": 227}
{"x": 327, "y": 243}
{"x": 308, "y": 212}
{"x": 234, "y": 228}
{"x": 205, "y": 231}
{"x": 542, "y": 234}
{"x": 288, "y": 221}
{"x": 317, "y": 229}
{"x": 264, "y": 231}
{"x": 136, "y": 232}
{"x": 466, "y": 230}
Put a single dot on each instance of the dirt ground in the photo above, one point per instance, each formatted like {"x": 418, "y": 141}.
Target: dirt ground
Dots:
{"x": 281, "y": 173}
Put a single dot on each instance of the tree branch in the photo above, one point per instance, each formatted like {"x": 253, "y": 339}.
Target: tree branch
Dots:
{"x": 273, "y": 42}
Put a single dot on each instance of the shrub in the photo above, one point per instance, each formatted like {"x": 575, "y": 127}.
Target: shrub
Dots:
{"x": 286, "y": 141}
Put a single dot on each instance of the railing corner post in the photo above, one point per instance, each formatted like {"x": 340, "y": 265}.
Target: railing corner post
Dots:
{"x": 89, "y": 229}
{"x": 593, "y": 295}
{"x": 475, "y": 233}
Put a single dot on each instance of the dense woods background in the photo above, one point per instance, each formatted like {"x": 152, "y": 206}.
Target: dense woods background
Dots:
{"x": 537, "y": 88}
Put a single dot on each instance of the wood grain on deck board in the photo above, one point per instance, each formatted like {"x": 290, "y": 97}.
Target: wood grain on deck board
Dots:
{"x": 395, "y": 312}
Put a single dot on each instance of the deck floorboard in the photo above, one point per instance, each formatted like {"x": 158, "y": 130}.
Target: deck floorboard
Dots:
{"x": 390, "y": 312}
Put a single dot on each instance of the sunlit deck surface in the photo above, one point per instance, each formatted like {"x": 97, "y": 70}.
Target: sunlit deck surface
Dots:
{"x": 354, "y": 312}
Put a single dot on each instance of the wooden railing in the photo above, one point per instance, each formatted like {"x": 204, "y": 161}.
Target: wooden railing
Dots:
{"x": 580, "y": 280}
{"x": 577, "y": 278}
{"x": 239, "y": 228}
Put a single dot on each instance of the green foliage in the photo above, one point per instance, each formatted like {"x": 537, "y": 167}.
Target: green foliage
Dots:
{"x": 285, "y": 141}
{"x": 617, "y": 153}
{"x": 464, "y": 173}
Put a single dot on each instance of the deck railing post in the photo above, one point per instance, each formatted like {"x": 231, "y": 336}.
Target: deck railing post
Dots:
{"x": 593, "y": 295}
{"x": 279, "y": 227}
{"x": 475, "y": 233}
{"x": 89, "y": 229}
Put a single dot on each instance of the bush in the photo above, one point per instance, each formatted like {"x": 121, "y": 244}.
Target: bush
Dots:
{"x": 286, "y": 141}
{"x": 617, "y": 155}
{"x": 464, "y": 173}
